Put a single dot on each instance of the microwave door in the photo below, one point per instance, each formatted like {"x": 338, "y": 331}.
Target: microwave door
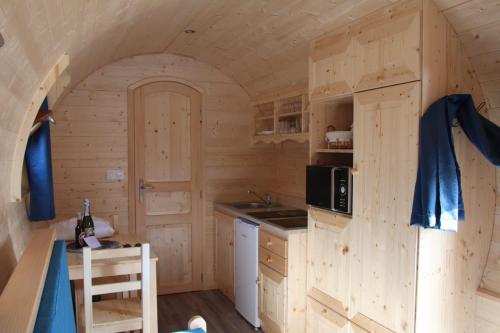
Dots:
{"x": 318, "y": 186}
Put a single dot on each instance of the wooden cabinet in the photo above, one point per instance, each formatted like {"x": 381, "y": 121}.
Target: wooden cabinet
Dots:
{"x": 363, "y": 273}
{"x": 329, "y": 255}
{"x": 272, "y": 299}
{"x": 224, "y": 259}
{"x": 331, "y": 66}
{"x": 382, "y": 49}
{"x": 370, "y": 269}
{"x": 280, "y": 116}
{"x": 282, "y": 282}
{"x": 383, "y": 277}
{"x": 386, "y": 46}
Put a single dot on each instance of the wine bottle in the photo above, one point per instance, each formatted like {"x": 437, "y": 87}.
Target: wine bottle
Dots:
{"x": 88, "y": 224}
{"x": 79, "y": 233}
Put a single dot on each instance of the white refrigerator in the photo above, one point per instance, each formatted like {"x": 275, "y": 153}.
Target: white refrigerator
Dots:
{"x": 246, "y": 270}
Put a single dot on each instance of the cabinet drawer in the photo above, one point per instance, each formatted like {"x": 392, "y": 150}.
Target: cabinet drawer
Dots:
{"x": 320, "y": 318}
{"x": 272, "y": 260}
{"x": 273, "y": 243}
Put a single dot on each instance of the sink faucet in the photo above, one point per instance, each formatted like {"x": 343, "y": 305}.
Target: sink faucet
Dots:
{"x": 267, "y": 201}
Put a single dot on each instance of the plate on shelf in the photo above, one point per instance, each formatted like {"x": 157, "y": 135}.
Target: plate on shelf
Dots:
{"x": 265, "y": 133}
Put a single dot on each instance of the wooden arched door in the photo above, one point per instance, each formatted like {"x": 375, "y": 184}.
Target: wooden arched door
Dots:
{"x": 166, "y": 179}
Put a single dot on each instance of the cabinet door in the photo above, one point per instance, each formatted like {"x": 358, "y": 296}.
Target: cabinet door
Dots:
{"x": 330, "y": 67}
{"x": 386, "y": 46}
{"x": 272, "y": 300}
{"x": 224, "y": 267}
{"x": 329, "y": 255}
{"x": 383, "y": 277}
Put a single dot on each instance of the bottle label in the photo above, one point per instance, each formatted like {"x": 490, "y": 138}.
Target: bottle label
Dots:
{"x": 89, "y": 232}
{"x": 81, "y": 240}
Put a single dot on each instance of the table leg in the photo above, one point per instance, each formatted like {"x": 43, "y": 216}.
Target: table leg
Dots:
{"x": 78, "y": 295}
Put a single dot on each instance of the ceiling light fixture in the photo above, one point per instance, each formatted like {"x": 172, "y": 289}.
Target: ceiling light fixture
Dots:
{"x": 189, "y": 31}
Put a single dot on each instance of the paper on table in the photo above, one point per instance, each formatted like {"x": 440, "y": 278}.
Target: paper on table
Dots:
{"x": 92, "y": 242}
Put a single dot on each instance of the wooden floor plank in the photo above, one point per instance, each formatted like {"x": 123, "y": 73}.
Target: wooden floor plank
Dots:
{"x": 175, "y": 310}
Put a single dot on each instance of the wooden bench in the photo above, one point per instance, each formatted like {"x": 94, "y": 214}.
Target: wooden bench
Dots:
{"x": 20, "y": 299}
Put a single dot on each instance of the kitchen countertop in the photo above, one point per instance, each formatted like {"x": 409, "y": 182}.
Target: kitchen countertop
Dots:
{"x": 226, "y": 208}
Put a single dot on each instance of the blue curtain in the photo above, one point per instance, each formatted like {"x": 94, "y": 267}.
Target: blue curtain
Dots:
{"x": 39, "y": 168}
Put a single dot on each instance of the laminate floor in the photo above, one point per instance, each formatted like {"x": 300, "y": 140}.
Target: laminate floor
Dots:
{"x": 175, "y": 310}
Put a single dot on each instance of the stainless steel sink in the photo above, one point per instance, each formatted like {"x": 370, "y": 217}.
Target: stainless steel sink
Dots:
{"x": 287, "y": 223}
{"x": 279, "y": 214}
{"x": 248, "y": 205}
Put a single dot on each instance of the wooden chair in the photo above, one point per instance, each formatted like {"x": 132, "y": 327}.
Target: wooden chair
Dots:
{"x": 116, "y": 315}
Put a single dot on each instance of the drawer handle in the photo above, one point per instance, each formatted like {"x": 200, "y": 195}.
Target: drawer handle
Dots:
{"x": 269, "y": 259}
{"x": 269, "y": 243}
{"x": 231, "y": 243}
{"x": 324, "y": 312}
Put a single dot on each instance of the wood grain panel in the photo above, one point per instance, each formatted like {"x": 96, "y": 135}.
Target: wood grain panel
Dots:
{"x": 84, "y": 150}
{"x": 385, "y": 154}
{"x": 165, "y": 203}
{"x": 172, "y": 245}
{"x": 387, "y": 45}
{"x": 451, "y": 264}
{"x": 331, "y": 66}
{"x": 273, "y": 261}
{"x": 321, "y": 318}
{"x": 224, "y": 260}
{"x": 329, "y": 274}
{"x": 167, "y": 136}
{"x": 272, "y": 299}
{"x": 274, "y": 244}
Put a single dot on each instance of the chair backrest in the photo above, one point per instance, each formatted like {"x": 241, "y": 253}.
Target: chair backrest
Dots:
{"x": 90, "y": 290}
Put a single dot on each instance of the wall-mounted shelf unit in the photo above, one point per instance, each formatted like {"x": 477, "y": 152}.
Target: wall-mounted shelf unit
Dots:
{"x": 334, "y": 112}
{"x": 281, "y": 117}
{"x": 277, "y": 138}
{"x": 334, "y": 151}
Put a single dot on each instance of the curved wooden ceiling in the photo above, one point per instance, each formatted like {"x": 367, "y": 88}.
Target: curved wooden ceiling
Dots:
{"x": 260, "y": 44}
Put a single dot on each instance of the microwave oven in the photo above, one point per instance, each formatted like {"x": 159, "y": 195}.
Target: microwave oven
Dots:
{"x": 329, "y": 187}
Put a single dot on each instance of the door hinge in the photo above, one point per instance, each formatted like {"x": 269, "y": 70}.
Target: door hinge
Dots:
{"x": 201, "y": 194}
{"x": 201, "y": 277}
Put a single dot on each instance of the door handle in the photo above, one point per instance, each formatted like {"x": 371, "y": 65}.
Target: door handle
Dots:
{"x": 142, "y": 187}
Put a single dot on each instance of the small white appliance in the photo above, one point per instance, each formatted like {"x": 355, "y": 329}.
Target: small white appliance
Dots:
{"x": 246, "y": 270}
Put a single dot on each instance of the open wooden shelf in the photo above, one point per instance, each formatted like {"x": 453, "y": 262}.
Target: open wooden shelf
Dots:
{"x": 290, "y": 114}
{"x": 264, "y": 118}
{"x": 334, "y": 151}
{"x": 278, "y": 138}
{"x": 284, "y": 112}
{"x": 337, "y": 111}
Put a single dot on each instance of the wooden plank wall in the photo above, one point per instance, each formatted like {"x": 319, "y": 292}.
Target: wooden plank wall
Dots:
{"x": 451, "y": 265}
{"x": 91, "y": 137}
{"x": 477, "y": 23}
{"x": 289, "y": 160}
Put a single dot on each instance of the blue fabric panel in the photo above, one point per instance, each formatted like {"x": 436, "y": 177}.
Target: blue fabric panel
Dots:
{"x": 437, "y": 201}
{"x": 198, "y": 330}
{"x": 39, "y": 167}
{"x": 55, "y": 314}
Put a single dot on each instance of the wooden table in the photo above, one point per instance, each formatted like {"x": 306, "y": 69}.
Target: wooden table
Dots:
{"x": 112, "y": 267}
